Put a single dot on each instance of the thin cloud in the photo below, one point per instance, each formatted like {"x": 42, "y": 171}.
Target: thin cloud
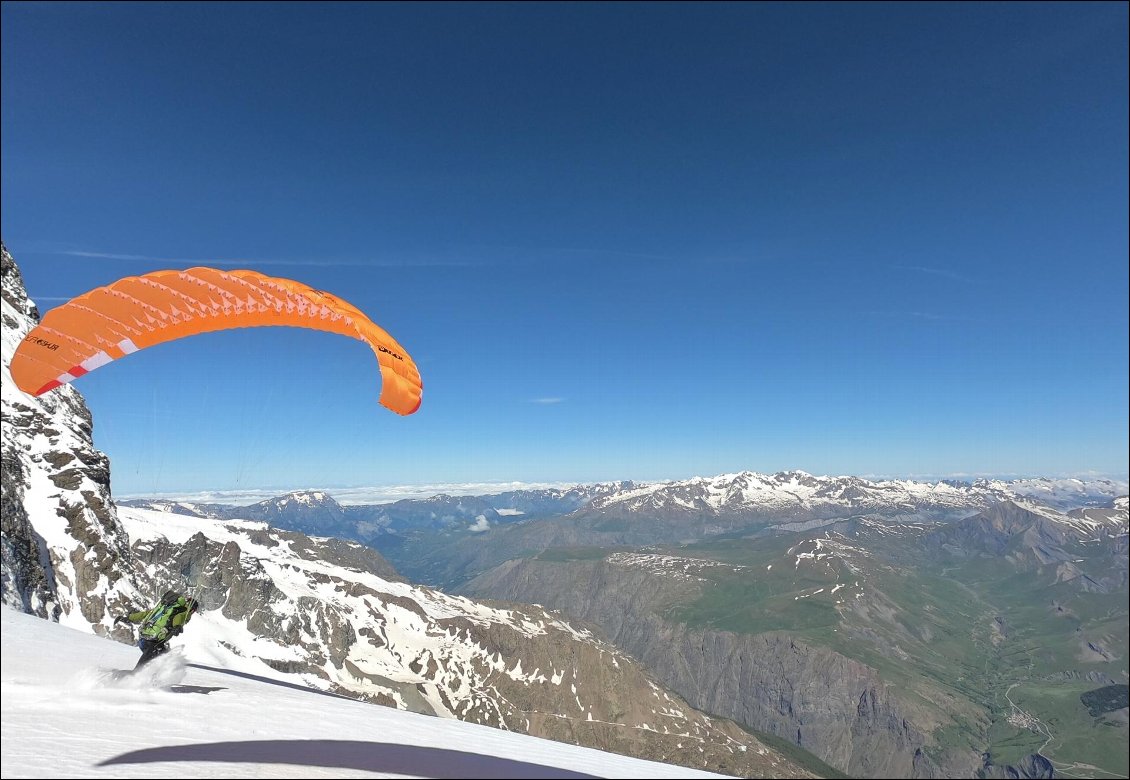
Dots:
{"x": 329, "y": 263}
{"x": 546, "y": 401}
{"x": 918, "y": 315}
{"x": 586, "y": 252}
{"x": 167, "y": 260}
{"x": 943, "y": 272}
{"x": 514, "y": 253}
{"x": 1004, "y": 476}
{"x": 348, "y": 496}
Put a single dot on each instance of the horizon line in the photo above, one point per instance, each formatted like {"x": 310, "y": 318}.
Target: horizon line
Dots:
{"x": 386, "y": 494}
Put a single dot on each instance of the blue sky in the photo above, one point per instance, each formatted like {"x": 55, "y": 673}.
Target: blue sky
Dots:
{"x": 620, "y": 240}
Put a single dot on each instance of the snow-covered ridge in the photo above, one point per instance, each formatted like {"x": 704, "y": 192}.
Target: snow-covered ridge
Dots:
{"x": 148, "y": 525}
{"x": 178, "y": 508}
{"x": 1063, "y": 493}
{"x": 310, "y": 497}
{"x": 798, "y": 491}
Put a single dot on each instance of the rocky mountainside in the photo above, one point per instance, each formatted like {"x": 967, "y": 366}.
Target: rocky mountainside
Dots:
{"x": 331, "y": 613}
{"x": 838, "y": 708}
{"x": 64, "y": 553}
{"x": 322, "y": 610}
{"x": 1031, "y": 536}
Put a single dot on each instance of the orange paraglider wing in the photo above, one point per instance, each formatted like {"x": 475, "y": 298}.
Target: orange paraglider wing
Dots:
{"x": 139, "y": 311}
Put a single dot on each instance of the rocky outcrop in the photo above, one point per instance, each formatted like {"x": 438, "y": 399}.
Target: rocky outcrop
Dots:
{"x": 65, "y": 556}
{"x": 1031, "y": 766}
{"x": 28, "y": 581}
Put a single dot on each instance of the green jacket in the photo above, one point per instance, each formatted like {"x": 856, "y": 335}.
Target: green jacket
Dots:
{"x": 162, "y": 621}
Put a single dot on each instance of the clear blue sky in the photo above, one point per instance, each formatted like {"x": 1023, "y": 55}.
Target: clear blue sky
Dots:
{"x": 621, "y": 241}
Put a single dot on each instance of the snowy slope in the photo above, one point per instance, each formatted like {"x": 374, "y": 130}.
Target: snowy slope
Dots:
{"x": 61, "y": 717}
{"x": 408, "y": 619}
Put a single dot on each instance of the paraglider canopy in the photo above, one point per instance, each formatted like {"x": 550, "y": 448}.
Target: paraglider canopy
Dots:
{"x": 136, "y": 312}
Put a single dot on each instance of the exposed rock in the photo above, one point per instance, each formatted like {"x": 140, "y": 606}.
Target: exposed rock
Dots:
{"x": 65, "y": 556}
{"x": 836, "y": 708}
{"x": 1031, "y": 766}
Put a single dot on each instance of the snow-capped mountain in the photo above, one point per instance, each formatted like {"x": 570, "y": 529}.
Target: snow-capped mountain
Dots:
{"x": 213, "y": 511}
{"x": 1111, "y": 521}
{"x": 793, "y": 493}
{"x": 307, "y": 511}
{"x": 795, "y": 497}
{"x": 1028, "y": 535}
{"x": 1066, "y": 493}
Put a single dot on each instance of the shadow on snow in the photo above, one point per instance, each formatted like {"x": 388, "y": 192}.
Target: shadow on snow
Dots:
{"x": 439, "y": 763}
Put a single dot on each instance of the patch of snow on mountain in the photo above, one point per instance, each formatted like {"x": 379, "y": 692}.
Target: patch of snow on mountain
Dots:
{"x": 673, "y": 566}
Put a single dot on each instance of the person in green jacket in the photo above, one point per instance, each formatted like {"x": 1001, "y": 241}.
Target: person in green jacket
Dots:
{"x": 160, "y": 624}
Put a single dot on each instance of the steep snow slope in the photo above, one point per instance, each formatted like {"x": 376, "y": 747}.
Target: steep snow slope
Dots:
{"x": 61, "y": 717}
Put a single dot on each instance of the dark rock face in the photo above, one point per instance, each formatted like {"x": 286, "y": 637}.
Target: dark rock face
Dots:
{"x": 28, "y": 580}
{"x": 1031, "y": 766}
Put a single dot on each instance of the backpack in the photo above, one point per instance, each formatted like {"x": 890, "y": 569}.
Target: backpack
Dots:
{"x": 158, "y": 627}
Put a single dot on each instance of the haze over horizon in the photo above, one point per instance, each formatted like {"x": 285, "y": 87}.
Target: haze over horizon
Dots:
{"x": 384, "y": 494}
{"x": 625, "y": 241}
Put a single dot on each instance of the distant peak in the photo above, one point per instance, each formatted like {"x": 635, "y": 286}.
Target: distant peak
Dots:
{"x": 304, "y": 497}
